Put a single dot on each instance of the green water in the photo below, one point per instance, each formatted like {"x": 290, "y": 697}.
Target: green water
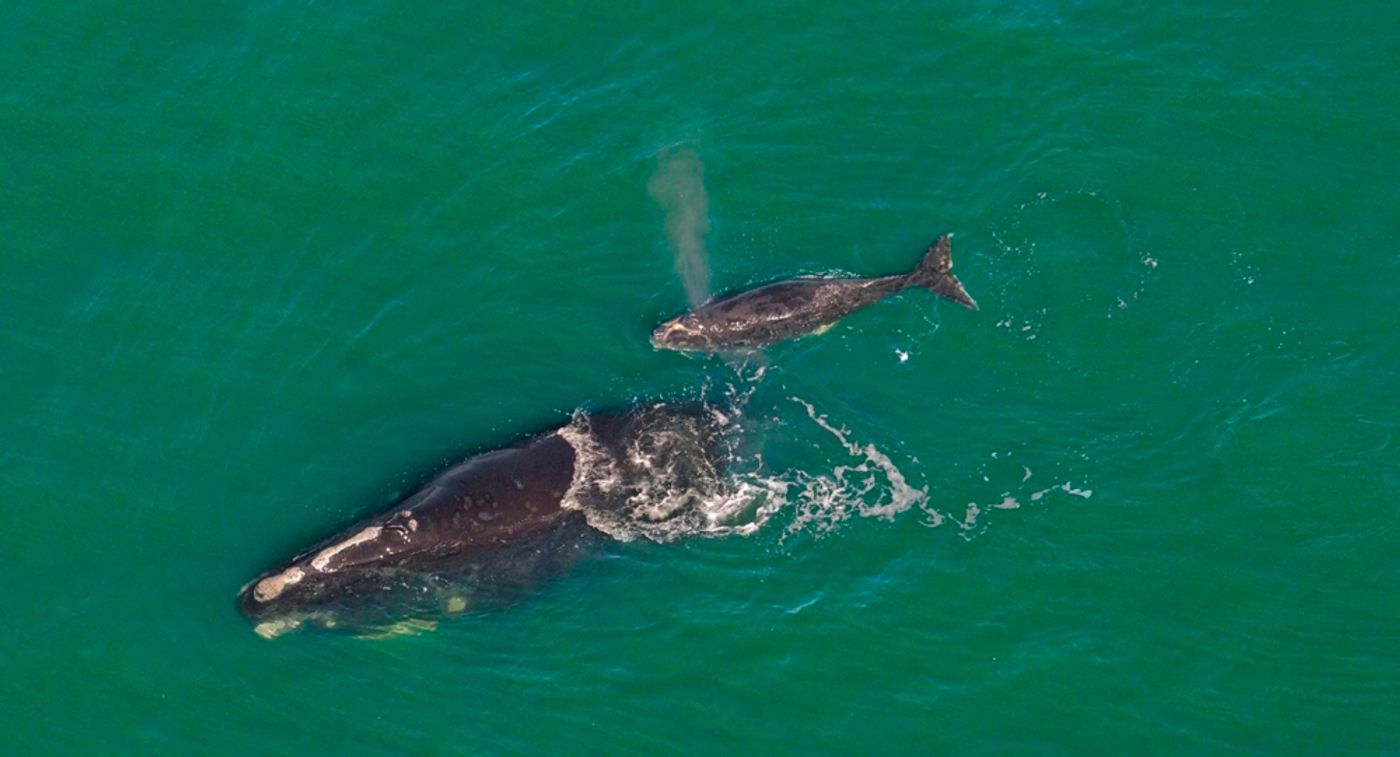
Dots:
{"x": 265, "y": 267}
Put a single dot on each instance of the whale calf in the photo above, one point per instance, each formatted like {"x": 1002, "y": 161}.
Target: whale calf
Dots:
{"x": 795, "y": 307}
{"x": 489, "y": 530}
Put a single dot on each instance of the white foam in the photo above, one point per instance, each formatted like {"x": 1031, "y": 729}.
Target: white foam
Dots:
{"x": 665, "y": 486}
{"x": 874, "y": 487}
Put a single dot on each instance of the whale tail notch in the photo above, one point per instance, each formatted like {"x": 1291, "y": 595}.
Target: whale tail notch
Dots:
{"x": 935, "y": 273}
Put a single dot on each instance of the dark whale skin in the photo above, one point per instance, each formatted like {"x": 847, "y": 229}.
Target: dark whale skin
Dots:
{"x": 788, "y": 309}
{"x": 484, "y": 533}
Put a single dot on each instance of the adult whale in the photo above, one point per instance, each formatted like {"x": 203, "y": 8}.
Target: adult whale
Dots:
{"x": 492, "y": 528}
{"x": 795, "y": 307}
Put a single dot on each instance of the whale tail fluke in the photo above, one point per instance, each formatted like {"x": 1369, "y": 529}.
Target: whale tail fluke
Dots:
{"x": 935, "y": 273}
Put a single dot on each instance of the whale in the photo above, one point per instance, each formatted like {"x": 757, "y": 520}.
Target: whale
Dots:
{"x": 796, "y": 307}
{"x": 490, "y": 530}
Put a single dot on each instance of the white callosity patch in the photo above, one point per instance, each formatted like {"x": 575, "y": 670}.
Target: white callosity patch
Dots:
{"x": 323, "y": 559}
{"x": 272, "y": 586}
{"x": 273, "y": 628}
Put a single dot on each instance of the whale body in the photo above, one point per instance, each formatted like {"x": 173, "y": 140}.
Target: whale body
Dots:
{"x": 793, "y": 308}
{"x": 491, "y": 529}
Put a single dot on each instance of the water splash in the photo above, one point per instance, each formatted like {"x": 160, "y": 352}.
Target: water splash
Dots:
{"x": 670, "y": 483}
{"x": 678, "y": 186}
{"x": 872, "y": 486}
{"x": 1010, "y": 487}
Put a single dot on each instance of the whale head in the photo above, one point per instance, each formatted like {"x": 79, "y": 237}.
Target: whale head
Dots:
{"x": 353, "y": 581}
{"x": 684, "y": 333}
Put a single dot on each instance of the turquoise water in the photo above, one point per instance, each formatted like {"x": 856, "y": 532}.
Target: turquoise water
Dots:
{"x": 266, "y": 267}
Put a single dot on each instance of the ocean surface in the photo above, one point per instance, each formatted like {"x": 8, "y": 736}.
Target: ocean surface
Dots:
{"x": 266, "y": 267}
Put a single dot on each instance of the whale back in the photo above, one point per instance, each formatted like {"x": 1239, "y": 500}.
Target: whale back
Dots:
{"x": 486, "y": 532}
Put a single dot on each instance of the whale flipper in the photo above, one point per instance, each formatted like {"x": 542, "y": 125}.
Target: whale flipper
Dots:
{"x": 935, "y": 273}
